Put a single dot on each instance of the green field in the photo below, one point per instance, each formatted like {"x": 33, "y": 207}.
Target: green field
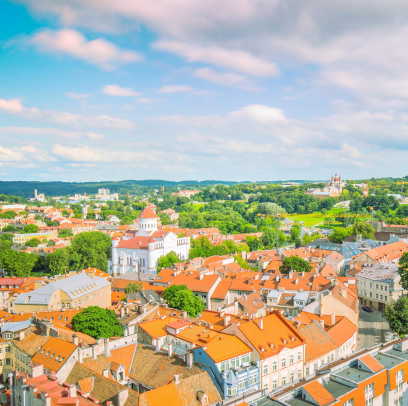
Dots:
{"x": 309, "y": 220}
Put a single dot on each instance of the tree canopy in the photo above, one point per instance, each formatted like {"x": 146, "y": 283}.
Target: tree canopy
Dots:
{"x": 34, "y": 242}
{"x": 134, "y": 287}
{"x": 31, "y": 228}
{"x": 181, "y": 298}
{"x": 17, "y": 263}
{"x": 397, "y": 315}
{"x": 294, "y": 263}
{"x": 166, "y": 261}
{"x": 97, "y": 323}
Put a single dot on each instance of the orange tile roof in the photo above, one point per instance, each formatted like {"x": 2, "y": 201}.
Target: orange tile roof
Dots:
{"x": 217, "y": 320}
{"x": 221, "y": 290}
{"x": 157, "y": 327}
{"x": 52, "y": 351}
{"x": 277, "y": 333}
{"x": 86, "y": 385}
{"x": 371, "y": 363}
{"x": 165, "y": 395}
{"x": 319, "y": 394}
{"x": 226, "y": 346}
{"x": 388, "y": 252}
{"x": 147, "y": 213}
{"x": 194, "y": 283}
{"x": 342, "y": 331}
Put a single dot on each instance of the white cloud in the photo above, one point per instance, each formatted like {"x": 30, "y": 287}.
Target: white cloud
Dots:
{"x": 226, "y": 79}
{"x": 115, "y": 90}
{"x": 258, "y": 112}
{"x": 14, "y": 106}
{"x": 27, "y": 153}
{"x": 49, "y": 132}
{"x": 230, "y": 59}
{"x": 175, "y": 89}
{"x": 71, "y": 42}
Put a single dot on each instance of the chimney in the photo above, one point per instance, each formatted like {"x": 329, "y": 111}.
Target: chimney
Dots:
{"x": 333, "y": 319}
{"x": 176, "y": 379}
{"x": 38, "y": 284}
{"x": 296, "y": 281}
{"x": 290, "y": 274}
{"x": 127, "y": 310}
{"x": 170, "y": 345}
{"x": 344, "y": 293}
{"x": 189, "y": 359}
{"x": 158, "y": 344}
{"x": 80, "y": 355}
{"x": 201, "y": 276}
{"x": 105, "y": 373}
{"x": 321, "y": 323}
{"x": 260, "y": 323}
{"x": 75, "y": 340}
{"x": 321, "y": 306}
{"x": 226, "y": 320}
{"x": 236, "y": 308}
{"x": 303, "y": 273}
{"x": 94, "y": 356}
{"x": 45, "y": 397}
{"x": 122, "y": 312}
{"x": 107, "y": 348}
{"x": 36, "y": 370}
{"x": 22, "y": 334}
{"x": 72, "y": 391}
{"x": 122, "y": 397}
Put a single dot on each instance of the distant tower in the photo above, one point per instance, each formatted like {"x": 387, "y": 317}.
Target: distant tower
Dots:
{"x": 35, "y": 194}
{"x": 84, "y": 211}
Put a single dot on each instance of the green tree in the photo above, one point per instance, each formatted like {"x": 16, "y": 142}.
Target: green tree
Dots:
{"x": 298, "y": 242}
{"x": 181, "y": 298}
{"x": 166, "y": 261}
{"x": 65, "y": 232}
{"x": 59, "y": 261}
{"x": 134, "y": 287}
{"x": 200, "y": 247}
{"x": 165, "y": 218}
{"x": 34, "y": 242}
{"x": 9, "y": 228}
{"x": 269, "y": 238}
{"x": 92, "y": 249}
{"x": 295, "y": 232}
{"x": 294, "y": 263}
{"x": 7, "y": 237}
{"x": 397, "y": 315}
{"x": 16, "y": 263}
{"x": 8, "y": 214}
{"x": 253, "y": 242}
{"x": 339, "y": 234}
{"x": 97, "y": 323}
{"x": 364, "y": 229}
{"x": 30, "y": 229}
{"x": 126, "y": 221}
{"x": 403, "y": 270}
{"x": 65, "y": 213}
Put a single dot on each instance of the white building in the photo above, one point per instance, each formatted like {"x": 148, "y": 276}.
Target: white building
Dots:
{"x": 141, "y": 252}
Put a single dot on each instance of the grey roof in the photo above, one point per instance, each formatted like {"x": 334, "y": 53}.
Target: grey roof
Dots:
{"x": 301, "y": 296}
{"x": 16, "y": 326}
{"x": 379, "y": 272}
{"x": 68, "y": 285}
{"x": 347, "y": 249}
{"x": 144, "y": 296}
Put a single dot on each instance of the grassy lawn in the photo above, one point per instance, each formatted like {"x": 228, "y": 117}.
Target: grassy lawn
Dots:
{"x": 316, "y": 217}
{"x": 197, "y": 206}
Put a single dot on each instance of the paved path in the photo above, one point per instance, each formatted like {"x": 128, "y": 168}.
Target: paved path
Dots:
{"x": 372, "y": 329}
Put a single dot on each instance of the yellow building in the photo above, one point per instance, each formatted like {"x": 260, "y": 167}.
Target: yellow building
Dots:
{"x": 78, "y": 291}
{"x": 23, "y": 238}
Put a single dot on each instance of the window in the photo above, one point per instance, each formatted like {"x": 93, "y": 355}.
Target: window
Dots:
{"x": 224, "y": 366}
{"x": 245, "y": 359}
{"x": 274, "y": 385}
{"x": 299, "y": 355}
{"x": 253, "y": 380}
{"x": 283, "y": 380}
{"x": 385, "y": 298}
{"x": 381, "y": 286}
{"x": 371, "y": 285}
{"x": 349, "y": 402}
{"x": 376, "y": 295}
{"x": 242, "y": 383}
{"x": 315, "y": 366}
{"x": 232, "y": 390}
{"x": 8, "y": 361}
{"x": 307, "y": 371}
{"x": 299, "y": 373}
{"x": 376, "y": 285}
{"x": 385, "y": 288}
{"x": 283, "y": 362}
{"x": 291, "y": 360}
{"x": 7, "y": 349}
{"x": 381, "y": 297}
{"x": 265, "y": 369}
{"x": 291, "y": 377}
{"x": 371, "y": 294}
{"x": 274, "y": 365}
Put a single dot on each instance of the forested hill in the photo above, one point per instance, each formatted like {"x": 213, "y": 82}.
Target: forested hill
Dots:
{"x": 26, "y": 189}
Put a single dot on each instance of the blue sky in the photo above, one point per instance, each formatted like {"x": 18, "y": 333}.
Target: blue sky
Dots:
{"x": 238, "y": 90}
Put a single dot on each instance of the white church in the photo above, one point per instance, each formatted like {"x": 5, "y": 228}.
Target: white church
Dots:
{"x": 141, "y": 252}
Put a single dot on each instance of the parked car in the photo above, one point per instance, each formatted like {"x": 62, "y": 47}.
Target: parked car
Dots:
{"x": 367, "y": 309}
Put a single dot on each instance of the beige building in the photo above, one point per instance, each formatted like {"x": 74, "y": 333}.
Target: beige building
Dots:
{"x": 23, "y": 238}
{"x": 78, "y": 291}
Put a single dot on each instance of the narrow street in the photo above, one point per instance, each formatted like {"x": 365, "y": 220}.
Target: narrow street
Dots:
{"x": 372, "y": 329}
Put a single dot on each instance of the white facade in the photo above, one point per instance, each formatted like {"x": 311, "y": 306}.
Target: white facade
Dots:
{"x": 142, "y": 252}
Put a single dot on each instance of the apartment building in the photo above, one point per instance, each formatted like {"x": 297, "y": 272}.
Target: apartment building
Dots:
{"x": 378, "y": 284}
{"x": 81, "y": 290}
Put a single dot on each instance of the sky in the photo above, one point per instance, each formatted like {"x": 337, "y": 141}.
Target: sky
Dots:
{"x": 240, "y": 90}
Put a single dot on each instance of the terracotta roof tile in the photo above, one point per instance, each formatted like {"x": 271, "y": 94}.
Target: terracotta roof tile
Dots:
{"x": 319, "y": 394}
{"x": 371, "y": 363}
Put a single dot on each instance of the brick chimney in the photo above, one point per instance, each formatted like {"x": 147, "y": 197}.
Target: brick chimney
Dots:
{"x": 72, "y": 391}
{"x": 170, "y": 346}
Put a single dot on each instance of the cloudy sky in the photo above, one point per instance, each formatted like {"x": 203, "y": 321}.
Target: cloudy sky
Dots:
{"x": 194, "y": 89}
